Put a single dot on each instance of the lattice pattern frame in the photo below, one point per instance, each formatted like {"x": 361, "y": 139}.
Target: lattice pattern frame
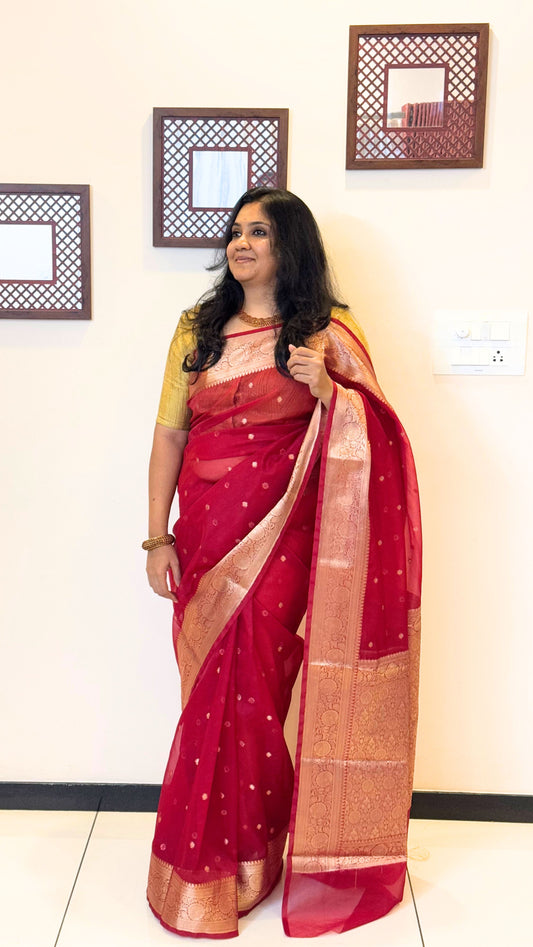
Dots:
{"x": 463, "y": 50}
{"x": 178, "y": 133}
{"x": 68, "y": 294}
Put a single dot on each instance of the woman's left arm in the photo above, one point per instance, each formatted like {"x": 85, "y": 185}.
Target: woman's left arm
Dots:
{"x": 307, "y": 366}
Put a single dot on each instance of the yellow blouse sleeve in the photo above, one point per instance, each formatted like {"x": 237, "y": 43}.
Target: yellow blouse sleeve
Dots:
{"x": 173, "y": 411}
{"x": 348, "y": 320}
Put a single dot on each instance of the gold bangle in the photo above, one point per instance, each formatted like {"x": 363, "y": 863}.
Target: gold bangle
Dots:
{"x": 155, "y": 541}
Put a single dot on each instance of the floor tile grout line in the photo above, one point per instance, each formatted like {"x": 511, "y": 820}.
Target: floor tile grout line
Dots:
{"x": 415, "y": 907}
{"x": 78, "y": 872}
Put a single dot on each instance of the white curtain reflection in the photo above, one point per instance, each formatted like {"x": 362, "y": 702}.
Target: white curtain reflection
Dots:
{"x": 218, "y": 177}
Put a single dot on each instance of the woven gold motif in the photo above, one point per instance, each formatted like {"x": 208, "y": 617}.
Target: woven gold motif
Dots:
{"x": 222, "y": 589}
{"x": 206, "y": 908}
{"x": 313, "y": 864}
{"x": 212, "y": 907}
{"x": 358, "y": 739}
{"x": 413, "y": 628}
{"x": 337, "y": 615}
{"x": 238, "y": 360}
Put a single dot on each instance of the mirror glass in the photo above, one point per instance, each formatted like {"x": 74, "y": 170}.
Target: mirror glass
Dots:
{"x": 415, "y": 86}
{"x": 218, "y": 177}
{"x": 26, "y": 251}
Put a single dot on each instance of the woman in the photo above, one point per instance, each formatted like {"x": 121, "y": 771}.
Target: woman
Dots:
{"x": 298, "y": 498}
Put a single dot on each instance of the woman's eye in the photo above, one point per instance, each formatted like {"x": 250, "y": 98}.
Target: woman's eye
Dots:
{"x": 258, "y": 232}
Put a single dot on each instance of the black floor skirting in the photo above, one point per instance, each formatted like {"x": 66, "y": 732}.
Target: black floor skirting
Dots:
{"x": 143, "y": 797}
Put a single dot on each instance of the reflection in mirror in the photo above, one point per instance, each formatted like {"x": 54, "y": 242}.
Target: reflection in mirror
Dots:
{"x": 218, "y": 177}
{"x": 415, "y": 96}
{"x": 26, "y": 251}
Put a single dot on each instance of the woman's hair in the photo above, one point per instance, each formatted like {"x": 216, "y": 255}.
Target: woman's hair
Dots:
{"x": 304, "y": 292}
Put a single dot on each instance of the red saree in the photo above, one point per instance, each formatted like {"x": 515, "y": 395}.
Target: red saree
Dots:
{"x": 287, "y": 510}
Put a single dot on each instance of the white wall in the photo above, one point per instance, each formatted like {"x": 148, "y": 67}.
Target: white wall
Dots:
{"x": 88, "y": 682}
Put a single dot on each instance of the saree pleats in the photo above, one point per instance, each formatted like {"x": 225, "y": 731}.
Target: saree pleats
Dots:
{"x": 287, "y": 511}
{"x": 247, "y": 500}
{"x": 228, "y": 785}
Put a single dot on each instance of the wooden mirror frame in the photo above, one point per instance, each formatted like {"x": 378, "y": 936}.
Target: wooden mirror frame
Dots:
{"x": 179, "y": 133}
{"x": 462, "y": 50}
{"x": 65, "y": 209}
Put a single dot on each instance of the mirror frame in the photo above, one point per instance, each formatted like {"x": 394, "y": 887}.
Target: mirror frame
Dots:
{"x": 370, "y": 143}
{"x": 177, "y": 133}
{"x": 68, "y": 294}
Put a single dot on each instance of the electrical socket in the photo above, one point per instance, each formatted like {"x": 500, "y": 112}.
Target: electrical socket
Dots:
{"x": 479, "y": 342}
{"x": 497, "y": 357}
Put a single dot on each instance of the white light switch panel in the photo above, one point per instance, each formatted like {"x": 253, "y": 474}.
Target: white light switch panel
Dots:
{"x": 479, "y": 342}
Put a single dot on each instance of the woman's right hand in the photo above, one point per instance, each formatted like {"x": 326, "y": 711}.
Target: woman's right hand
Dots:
{"x": 159, "y": 562}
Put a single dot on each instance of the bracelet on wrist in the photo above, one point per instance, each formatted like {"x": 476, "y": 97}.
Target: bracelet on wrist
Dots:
{"x": 155, "y": 541}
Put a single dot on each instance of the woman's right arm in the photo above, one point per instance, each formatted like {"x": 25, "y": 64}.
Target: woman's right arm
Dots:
{"x": 165, "y": 465}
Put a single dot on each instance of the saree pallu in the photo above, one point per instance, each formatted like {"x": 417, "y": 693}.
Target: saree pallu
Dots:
{"x": 286, "y": 511}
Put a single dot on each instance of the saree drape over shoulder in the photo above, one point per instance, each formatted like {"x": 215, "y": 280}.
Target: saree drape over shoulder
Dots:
{"x": 291, "y": 517}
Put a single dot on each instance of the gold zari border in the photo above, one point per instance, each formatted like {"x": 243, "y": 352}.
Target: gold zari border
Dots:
{"x": 304, "y": 865}
{"x": 222, "y": 589}
{"x": 212, "y": 907}
{"x": 238, "y": 360}
{"x": 356, "y": 755}
{"x": 334, "y": 636}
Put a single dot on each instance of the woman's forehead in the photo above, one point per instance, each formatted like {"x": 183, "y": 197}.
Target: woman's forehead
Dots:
{"x": 254, "y": 213}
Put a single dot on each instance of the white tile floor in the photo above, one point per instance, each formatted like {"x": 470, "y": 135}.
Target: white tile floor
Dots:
{"x": 74, "y": 879}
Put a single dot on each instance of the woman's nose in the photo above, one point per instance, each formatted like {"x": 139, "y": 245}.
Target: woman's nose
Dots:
{"x": 242, "y": 240}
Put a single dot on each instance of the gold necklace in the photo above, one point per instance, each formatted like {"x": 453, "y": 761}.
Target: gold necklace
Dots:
{"x": 257, "y": 323}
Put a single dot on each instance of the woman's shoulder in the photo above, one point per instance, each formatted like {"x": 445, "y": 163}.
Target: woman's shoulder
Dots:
{"x": 187, "y": 319}
{"x": 184, "y": 335}
{"x": 345, "y": 319}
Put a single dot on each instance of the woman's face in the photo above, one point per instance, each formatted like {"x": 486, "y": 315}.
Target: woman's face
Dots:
{"x": 251, "y": 256}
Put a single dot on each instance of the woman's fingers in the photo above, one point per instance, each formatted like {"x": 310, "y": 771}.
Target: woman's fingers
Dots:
{"x": 304, "y": 362}
{"x": 307, "y": 366}
{"x": 176, "y": 571}
{"x": 159, "y": 563}
{"x": 302, "y": 355}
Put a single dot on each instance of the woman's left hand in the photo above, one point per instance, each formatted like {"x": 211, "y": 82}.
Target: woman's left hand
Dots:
{"x": 307, "y": 366}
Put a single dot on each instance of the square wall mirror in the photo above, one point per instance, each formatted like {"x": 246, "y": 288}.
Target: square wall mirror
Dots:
{"x": 45, "y": 255}
{"x": 416, "y": 96}
{"x": 204, "y": 159}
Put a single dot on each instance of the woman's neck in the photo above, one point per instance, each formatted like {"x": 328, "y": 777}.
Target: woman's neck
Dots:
{"x": 259, "y": 303}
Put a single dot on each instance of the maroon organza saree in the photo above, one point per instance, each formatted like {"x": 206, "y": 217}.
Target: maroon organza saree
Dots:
{"x": 288, "y": 510}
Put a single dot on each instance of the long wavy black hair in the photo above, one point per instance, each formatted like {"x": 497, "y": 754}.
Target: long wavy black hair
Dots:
{"x": 304, "y": 292}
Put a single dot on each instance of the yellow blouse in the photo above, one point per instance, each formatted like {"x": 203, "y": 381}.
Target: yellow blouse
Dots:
{"x": 173, "y": 411}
